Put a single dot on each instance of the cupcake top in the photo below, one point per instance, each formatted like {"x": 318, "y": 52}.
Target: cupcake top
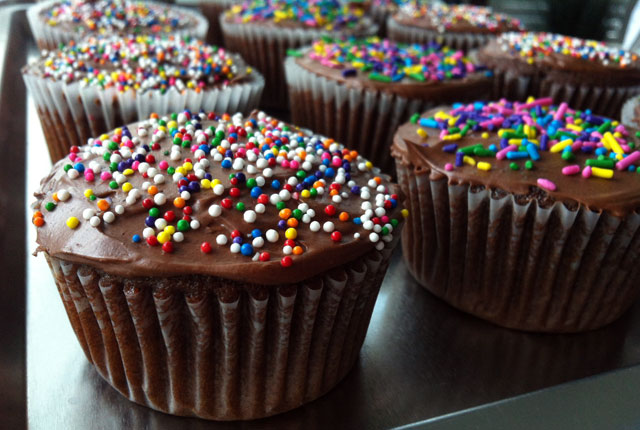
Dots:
{"x": 327, "y": 15}
{"x": 386, "y": 65}
{"x": 141, "y": 63}
{"x": 529, "y": 51}
{"x": 534, "y": 150}
{"x": 455, "y": 18}
{"x": 245, "y": 198}
{"x": 116, "y": 16}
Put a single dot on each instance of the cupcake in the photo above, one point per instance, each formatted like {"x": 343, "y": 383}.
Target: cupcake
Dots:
{"x": 264, "y": 30}
{"x": 215, "y": 266}
{"x": 58, "y": 22}
{"x": 212, "y": 10}
{"x": 631, "y": 112}
{"x": 381, "y": 10}
{"x": 584, "y": 73}
{"x": 360, "y": 91}
{"x": 524, "y": 214}
{"x": 459, "y": 26}
{"x": 89, "y": 87}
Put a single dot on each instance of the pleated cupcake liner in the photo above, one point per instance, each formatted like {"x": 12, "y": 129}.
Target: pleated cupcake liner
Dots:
{"x": 72, "y": 113}
{"x": 460, "y": 41}
{"x": 630, "y": 114}
{"x": 212, "y": 10}
{"x": 48, "y": 37}
{"x": 266, "y": 48}
{"x": 361, "y": 119}
{"x": 602, "y": 100}
{"x": 520, "y": 266}
{"x": 219, "y": 349}
{"x": 380, "y": 14}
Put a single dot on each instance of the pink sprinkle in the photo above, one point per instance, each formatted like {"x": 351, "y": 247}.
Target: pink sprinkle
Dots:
{"x": 622, "y": 130}
{"x": 163, "y": 165}
{"x": 294, "y": 164}
{"x": 502, "y": 154}
{"x": 448, "y": 167}
{"x": 135, "y": 165}
{"x": 539, "y": 102}
{"x": 443, "y": 133}
{"x": 105, "y": 176}
{"x": 562, "y": 109}
{"x": 384, "y": 219}
{"x": 571, "y": 170}
{"x": 575, "y": 146}
{"x": 628, "y": 160}
{"x": 586, "y": 172}
{"x": 546, "y": 184}
{"x": 72, "y": 156}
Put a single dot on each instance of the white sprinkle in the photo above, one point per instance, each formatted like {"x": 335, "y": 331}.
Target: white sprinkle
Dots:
{"x": 374, "y": 237}
{"x": 314, "y": 226}
{"x": 356, "y": 235}
{"x": 287, "y": 250}
{"x": 221, "y": 239}
{"x": 148, "y": 232}
{"x": 218, "y": 189}
{"x": 63, "y": 195}
{"x": 109, "y": 217}
{"x": 258, "y": 242}
{"x": 235, "y": 248}
{"x": 367, "y": 225}
{"x": 119, "y": 209}
{"x": 88, "y": 213}
{"x": 215, "y": 210}
{"x": 177, "y": 236}
{"x": 380, "y": 246}
{"x": 160, "y": 199}
{"x": 249, "y": 216}
{"x": 260, "y": 208}
{"x": 73, "y": 173}
{"x": 272, "y": 235}
{"x": 160, "y": 223}
{"x": 328, "y": 227}
{"x": 195, "y": 224}
{"x": 185, "y": 195}
{"x": 158, "y": 179}
{"x": 94, "y": 221}
{"x": 285, "y": 195}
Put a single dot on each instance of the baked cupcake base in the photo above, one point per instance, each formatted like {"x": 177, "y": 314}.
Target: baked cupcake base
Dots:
{"x": 515, "y": 262}
{"x": 70, "y": 114}
{"x": 217, "y": 349}
{"x": 462, "y": 41}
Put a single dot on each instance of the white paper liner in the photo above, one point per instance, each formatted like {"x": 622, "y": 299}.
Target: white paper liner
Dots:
{"x": 48, "y": 37}
{"x": 361, "y": 119}
{"x": 212, "y": 10}
{"x": 222, "y": 350}
{"x": 266, "y": 48}
{"x": 88, "y": 111}
{"x": 605, "y": 101}
{"x": 519, "y": 265}
{"x": 409, "y": 34}
{"x": 629, "y": 115}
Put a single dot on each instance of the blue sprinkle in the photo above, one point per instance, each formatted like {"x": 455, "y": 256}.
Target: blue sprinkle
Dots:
{"x": 136, "y": 238}
{"x": 517, "y": 155}
{"x": 226, "y": 163}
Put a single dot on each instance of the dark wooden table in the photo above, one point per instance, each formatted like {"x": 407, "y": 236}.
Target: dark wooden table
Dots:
{"x": 421, "y": 360}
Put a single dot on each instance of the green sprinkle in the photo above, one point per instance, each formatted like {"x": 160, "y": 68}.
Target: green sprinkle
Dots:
{"x": 300, "y": 174}
{"x": 281, "y": 205}
{"x": 154, "y": 212}
{"x": 50, "y": 206}
{"x": 177, "y": 141}
{"x": 604, "y": 127}
{"x": 468, "y": 150}
{"x": 113, "y": 166}
{"x": 251, "y": 182}
{"x": 482, "y": 152}
{"x": 414, "y": 118}
{"x": 417, "y": 77}
{"x": 604, "y": 163}
{"x": 183, "y": 225}
{"x": 374, "y": 76}
{"x": 112, "y": 146}
{"x": 384, "y": 231}
{"x": 568, "y": 156}
{"x": 313, "y": 192}
{"x": 174, "y": 116}
{"x": 294, "y": 53}
{"x": 394, "y": 222}
{"x": 528, "y": 165}
{"x": 512, "y": 135}
{"x": 638, "y": 134}
{"x": 93, "y": 197}
{"x": 113, "y": 185}
{"x": 106, "y": 156}
{"x": 465, "y": 129}
{"x": 631, "y": 144}
{"x": 67, "y": 167}
{"x": 171, "y": 170}
{"x": 514, "y": 166}
{"x": 297, "y": 214}
{"x": 240, "y": 206}
{"x": 567, "y": 134}
{"x": 186, "y": 143}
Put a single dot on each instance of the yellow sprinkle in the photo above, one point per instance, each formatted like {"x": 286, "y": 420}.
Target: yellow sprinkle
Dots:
{"x": 164, "y": 237}
{"x": 215, "y": 182}
{"x": 188, "y": 166}
{"x": 602, "y": 173}
{"x": 483, "y": 165}
{"x": 405, "y": 213}
{"x": 421, "y": 132}
{"x": 305, "y": 194}
{"x": 442, "y": 115}
{"x": 615, "y": 123}
{"x": 205, "y": 183}
{"x": 611, "y": 143}
{"x": 72, "y": 222}
{"x": 454, "y": 136}
{"x": 181, "y": 170}
{"x": 505, "y": 130}
{"x": 485, "y": 135}
{"x": 88, "y": 192}
{"x": 469, "y": 160}
{"x": 558, "y": 147}
{"x": 127, "y": 172}
{"x": 574, "y": 127}
{"x": 369, "y": 165}
{"x": 172, "y": 124}
{"x": 170, "y": 229}
{"x": 126, "y": 187}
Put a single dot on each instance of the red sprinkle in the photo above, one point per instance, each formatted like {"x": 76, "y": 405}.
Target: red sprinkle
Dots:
{"x": 286, "y": 261}
{"x": 336, "y": 236}
{"x": 152, "y": 240}
{"x": 167, "y": 247}
{"x": 205, "y": 247}
{"x": 265, "y": 256}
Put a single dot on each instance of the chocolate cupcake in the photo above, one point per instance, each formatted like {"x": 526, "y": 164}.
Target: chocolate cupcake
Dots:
{"x": 584, "y": 73}
{"x": 264, "y": 30}
{"x": 458, "y": 26}
{"x": 212, "y": 10}
{"x": 59, "y": 22}
{"x": 87, "y": 88}
{"x": 524, "y": 214}
{"x": 360, "y": 91}
{"x": 219, "y": 267}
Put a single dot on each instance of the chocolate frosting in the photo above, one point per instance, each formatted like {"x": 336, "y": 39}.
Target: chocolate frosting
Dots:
{"x": 619, "y": 195}
{"x": 564, "y": 68}
{"x": 110, "y": 247}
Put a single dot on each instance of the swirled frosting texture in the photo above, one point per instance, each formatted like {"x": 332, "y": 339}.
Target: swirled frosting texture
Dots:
{"x": 249, "y": 199}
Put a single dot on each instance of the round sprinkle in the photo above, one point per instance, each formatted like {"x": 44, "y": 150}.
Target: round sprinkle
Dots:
{"x": 72, "y": 222}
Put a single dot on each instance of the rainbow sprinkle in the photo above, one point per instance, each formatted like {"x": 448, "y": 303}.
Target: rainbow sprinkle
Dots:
{"x": 533, "y": 130}
{"x": 386, "y": 61}
{"x": 142, "y": 63}
{"x": 108, "y": 16}
{"x": 285, "y": 185}
{"x": 533, "y": 46}
{"x": 445, "y": 17}
{"x": 320, "y": 14}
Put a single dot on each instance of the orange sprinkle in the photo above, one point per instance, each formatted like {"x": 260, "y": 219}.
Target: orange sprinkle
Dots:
{"x": 37, "y": 214}
{"x": 154, "y": 115}
{"x": 103, "y": 205}
{"x": 333, "y": 192}
{"x": 344, "y": 216}
{"x": 285, "y": 213}
{"x": 55, "y": 197}
{"x": 378, "y": 180}
{"x": 297, "y": 250}
{"x": 179, "y": 202}
{"x": 152, "y": 190}
{"x": 317, "y": 184}
{"x": 38, "y": 221}
{"x": 292, "y": 222}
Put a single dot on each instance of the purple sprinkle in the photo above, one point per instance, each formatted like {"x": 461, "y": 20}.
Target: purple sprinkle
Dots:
{"x": 451, "y": 148}
{"x": 347, "y": 73}
{"x": 459, "y": 158}
{"x": 544, "y": 142}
